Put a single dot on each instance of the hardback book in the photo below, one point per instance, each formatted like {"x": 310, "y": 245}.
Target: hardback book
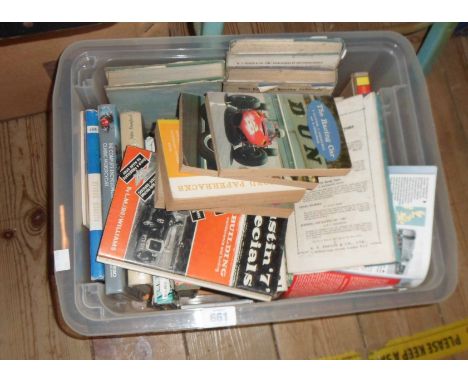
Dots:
{"x": 83, "y": 172}
{"x": 316, "y": 77}
{"x": 413, "y": 192}
{"x": 139, "y": 284}
{"x": 238, "y": 254}
{"x": 93, "y": 165}
{"x": 156, "y": 101}
{"x": 301, "y": 45}
{"x": 185, "y": 191}
{"x": 111, "y": 156}
{"x": 175, "y": 72}
{"x": 276, "y": 87}
{"x": 111, "y": 153}
{"x": 266, "y": 60}
{"x": 196, "y": 147}
{"x": 347, "y": 221}
{"x": 264, "y": 135}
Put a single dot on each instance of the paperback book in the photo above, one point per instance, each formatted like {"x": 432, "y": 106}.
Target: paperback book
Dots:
{"x": 276, "y": 135}
{"x": 238, "y": 254}
{"x": 189, "y": 191}
{"x": 196, "y": 146}
{"x": 348, "y": 221}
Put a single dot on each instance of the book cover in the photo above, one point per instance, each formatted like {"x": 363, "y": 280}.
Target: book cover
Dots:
{"x": 190, "y": 191}
{"x": 238, "y": 254}
{"x": 93, "y": 165}
{"x": 276, "y": 135}
{"x": 347, "y": 221}
{"x": 139, "y": 284}
{"x": 196, "y": 146}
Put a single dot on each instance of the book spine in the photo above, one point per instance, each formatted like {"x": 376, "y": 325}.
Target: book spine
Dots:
{"x": 84, "y": 172}
{"x": 309, "y": 61}
{"x": 94, "y": 193}
{"x": 265, "y": 87}
{"x": 132, "y": 135}
{"x": 109, "y": 140}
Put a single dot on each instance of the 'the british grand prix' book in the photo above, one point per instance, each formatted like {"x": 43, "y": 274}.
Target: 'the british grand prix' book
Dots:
{"x": 238, "y": 254}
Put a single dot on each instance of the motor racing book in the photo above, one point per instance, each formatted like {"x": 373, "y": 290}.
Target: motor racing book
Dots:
{"x": 196, "y": 147}
{"x": 238, "y": 254}
{"x": 347, "y": 221}
{"x": 189, "y": 191}
{"x": 267, "y": 134}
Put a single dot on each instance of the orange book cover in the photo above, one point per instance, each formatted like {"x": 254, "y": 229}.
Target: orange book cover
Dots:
{"x": 229, "y": 252}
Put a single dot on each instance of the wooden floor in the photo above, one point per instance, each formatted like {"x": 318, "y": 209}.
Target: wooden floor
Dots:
{"x": 27, "y": 321}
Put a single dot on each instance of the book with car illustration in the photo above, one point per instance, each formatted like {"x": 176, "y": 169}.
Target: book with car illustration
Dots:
{"x": 276, "y": 135}
{"x": 233, "y": 253}
{"x": 184, "y": 191}
{"x": 196, "y": 146}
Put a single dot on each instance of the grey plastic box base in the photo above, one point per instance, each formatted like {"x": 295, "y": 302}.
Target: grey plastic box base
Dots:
{"x": 411, "y": 140}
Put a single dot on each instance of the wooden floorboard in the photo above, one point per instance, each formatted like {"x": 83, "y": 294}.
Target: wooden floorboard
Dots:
{"x": 251, "y": 342}
{"x": 159, "y": 346}
{"x": 28, "y": 324}
{"x": 315, "y": 339}
{"x": 448, "y": 87}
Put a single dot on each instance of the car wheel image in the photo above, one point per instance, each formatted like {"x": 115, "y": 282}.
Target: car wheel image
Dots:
{"x": 206, "y": 150}
{"x": 271, "y": 152}
{"x": 232, "y": 120}
{"x": 243, "y": 102}
{"x": 250, "y": 156}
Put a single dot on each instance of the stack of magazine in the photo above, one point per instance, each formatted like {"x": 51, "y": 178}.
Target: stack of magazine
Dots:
{"x": 199, "y": 193}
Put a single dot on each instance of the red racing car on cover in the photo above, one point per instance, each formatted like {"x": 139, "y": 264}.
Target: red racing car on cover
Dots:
{"x": 248, "y": 130}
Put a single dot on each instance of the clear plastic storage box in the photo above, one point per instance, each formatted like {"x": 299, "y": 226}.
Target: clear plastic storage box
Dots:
{"x": 411, "y": 138}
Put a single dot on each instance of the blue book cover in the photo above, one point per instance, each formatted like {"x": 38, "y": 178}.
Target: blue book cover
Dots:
{"x": 111, "y": 157}
{"x": 94, "y": 192}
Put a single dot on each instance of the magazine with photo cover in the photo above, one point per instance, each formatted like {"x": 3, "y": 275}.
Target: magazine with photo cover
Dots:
{"x": 238, "y": 254}
{"x": 276, "y": 135}
{"x": 196, "y": 147}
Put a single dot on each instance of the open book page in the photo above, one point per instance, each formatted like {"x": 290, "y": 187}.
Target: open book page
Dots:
{"x": 346, "y": 221}
{"x": 413, "y": 190}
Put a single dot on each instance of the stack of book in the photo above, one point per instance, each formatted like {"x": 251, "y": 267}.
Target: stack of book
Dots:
{"x": 256, "y": 195}
{"x": 284, "y": 65}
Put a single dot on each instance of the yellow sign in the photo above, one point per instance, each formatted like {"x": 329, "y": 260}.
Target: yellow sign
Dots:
{"x": 437, "y": 343}
{"x": 352, "y": 355}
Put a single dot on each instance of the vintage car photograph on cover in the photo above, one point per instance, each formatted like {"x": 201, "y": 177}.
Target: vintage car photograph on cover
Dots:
{"x": 276, "y": 131}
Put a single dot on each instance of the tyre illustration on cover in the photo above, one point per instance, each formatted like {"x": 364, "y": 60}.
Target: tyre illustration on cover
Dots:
{"x": 249, "y": 131}
{"x": 205, "y": 143}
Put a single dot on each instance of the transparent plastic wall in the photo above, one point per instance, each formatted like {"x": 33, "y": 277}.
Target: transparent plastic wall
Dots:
{"x": 410, "y": 137}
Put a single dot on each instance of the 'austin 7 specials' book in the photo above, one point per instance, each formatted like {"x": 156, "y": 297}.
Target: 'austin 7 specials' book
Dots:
{"x": 233, "y": 253}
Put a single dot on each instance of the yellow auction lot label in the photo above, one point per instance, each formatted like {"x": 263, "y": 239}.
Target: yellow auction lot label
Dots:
{"x": 436, "y": 343}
